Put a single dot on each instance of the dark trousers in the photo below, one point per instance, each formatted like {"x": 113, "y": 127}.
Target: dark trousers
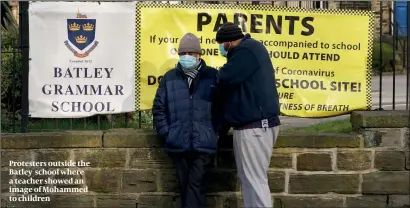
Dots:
{"x": 190, "y": 169}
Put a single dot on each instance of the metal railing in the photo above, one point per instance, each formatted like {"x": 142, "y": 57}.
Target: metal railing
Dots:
{"x": 14, "y": 75}
{"x": 397, "y": 43}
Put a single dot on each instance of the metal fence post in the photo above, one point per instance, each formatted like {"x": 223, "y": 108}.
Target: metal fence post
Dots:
{"x": 24, "y": 46}
{"x": 393, "y": 64}
{"x": 408, "y": 55}
{"x": 381, "y": 67}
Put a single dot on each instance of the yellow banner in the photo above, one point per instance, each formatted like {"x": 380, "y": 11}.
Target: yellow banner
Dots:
{"x": 322, "y": 58}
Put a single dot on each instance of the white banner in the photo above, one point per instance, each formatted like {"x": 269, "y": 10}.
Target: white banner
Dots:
{"x": 82, "y": 58}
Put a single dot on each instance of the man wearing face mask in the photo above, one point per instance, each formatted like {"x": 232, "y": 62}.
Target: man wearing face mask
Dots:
{"x": 247, "y": 81}
{"x": 182, "y": 113}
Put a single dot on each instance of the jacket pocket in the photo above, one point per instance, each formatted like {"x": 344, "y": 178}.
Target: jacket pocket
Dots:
{"x": 212, "y": 91}
{"x": 174, "y": 136}
{"x": 209, "y": 92}
{"x": 208, "y": 138}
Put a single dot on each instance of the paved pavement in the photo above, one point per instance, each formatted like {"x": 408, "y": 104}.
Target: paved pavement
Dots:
{"x": 387, "y": 92}
{"x": 387, "y": 101}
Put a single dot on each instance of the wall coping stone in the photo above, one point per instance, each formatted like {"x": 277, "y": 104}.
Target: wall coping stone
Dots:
{"x": 41, "y": 140}
{"x": 380, "y": 119}
{"x": 138, "y": 138}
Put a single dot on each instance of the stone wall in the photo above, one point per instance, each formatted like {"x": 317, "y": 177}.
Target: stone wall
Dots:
{"x": 128, "y": 167}
{"x": 385, "y": 18}
{"x": 14, "y": 7}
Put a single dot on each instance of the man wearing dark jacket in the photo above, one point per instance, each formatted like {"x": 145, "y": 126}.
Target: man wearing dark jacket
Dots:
{"x": 182, "y": 113}
{"x": 247, "y": 81}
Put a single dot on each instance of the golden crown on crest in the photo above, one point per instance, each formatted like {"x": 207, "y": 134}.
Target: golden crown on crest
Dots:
{"x": 79, "y": 15}
{"x": 88, "y": 27}
{"x": 81, "y": 39}
{"x": 74, "y": 27}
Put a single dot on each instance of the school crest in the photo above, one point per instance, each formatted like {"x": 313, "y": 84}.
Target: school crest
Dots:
{"x": 81, "y": 35}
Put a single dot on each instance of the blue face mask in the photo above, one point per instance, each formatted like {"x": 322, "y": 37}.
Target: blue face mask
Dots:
{"x": 188, "y": 62}
{"x": 222, "y": 50}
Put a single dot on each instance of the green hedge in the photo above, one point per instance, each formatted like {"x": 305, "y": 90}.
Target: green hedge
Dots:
{"x": 11, "y": 63}
{"x": 387, "y": 56}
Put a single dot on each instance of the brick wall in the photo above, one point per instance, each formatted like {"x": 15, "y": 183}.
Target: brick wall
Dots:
{"x": 365, "y": 169}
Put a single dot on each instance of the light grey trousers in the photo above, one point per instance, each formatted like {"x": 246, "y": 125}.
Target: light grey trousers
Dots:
{"x": 253, "y": 150}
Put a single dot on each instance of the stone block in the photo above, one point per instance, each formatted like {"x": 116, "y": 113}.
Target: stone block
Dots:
{"x": 174, "y": 200}
{"x": 78, "y": 181}
{"x": 406, "y": 138}
{"x": 226, "y": 159}
{"x": 281, "y": 161}
{"x": 5, "y": 178}
{"x": 221, "y": 181}
{"x": 373, "y": 201}
{"x": 168, "y": 180}
{"x": 137, "y": 181}
{"x": 149, "y": 158}
{"x": 110, "y": 158}
{"x": 380, "y": 119}
{"x": 14, "y": 155}
{"x": 384, "y": 137}
{"x": 64, "y": 201}
{"x": 25, "y": 177}
{"x": 387, "y": 182}
{"x": 399, "y": 201}
{"x": 371, "y": 138}
{"x": 354, "y": 160}
{"x": 314, "y": 162}
{"x": 117, "y": 201}
{"x": 46, "y": 172}
{"x": 276, "y": 202}
{"x": 324, "y": 183}
{"x": 276, "y": 182}
{"x": 407, "y": 160}
{"x": 132, "y": 138}
{"x": 52, "y": 155}
{"x": 153, "y": 201}
{"x": 307, "y": 202}
{"x": 211, "y": 201}
{"x": 230, "y": 201}
{"x": 279, "y": 3}
{"x": 317, "y": 140}
{"x": 5, "y": 201}
{"x": 171, "y": 201}
{"x": 390, "y": 160}
{"x": 56, "y": 201}
{"x": 66, "y": 139}
{"x": 103, "y": 181}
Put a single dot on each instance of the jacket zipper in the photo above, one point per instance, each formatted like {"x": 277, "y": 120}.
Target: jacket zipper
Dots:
{"x": 194, "y": 85}
{"x": 192, "y": 122}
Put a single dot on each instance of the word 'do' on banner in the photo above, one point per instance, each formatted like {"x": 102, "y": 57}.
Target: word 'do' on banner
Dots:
{"x": 82, "y": 58}
{"x": 322, "y": 58}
